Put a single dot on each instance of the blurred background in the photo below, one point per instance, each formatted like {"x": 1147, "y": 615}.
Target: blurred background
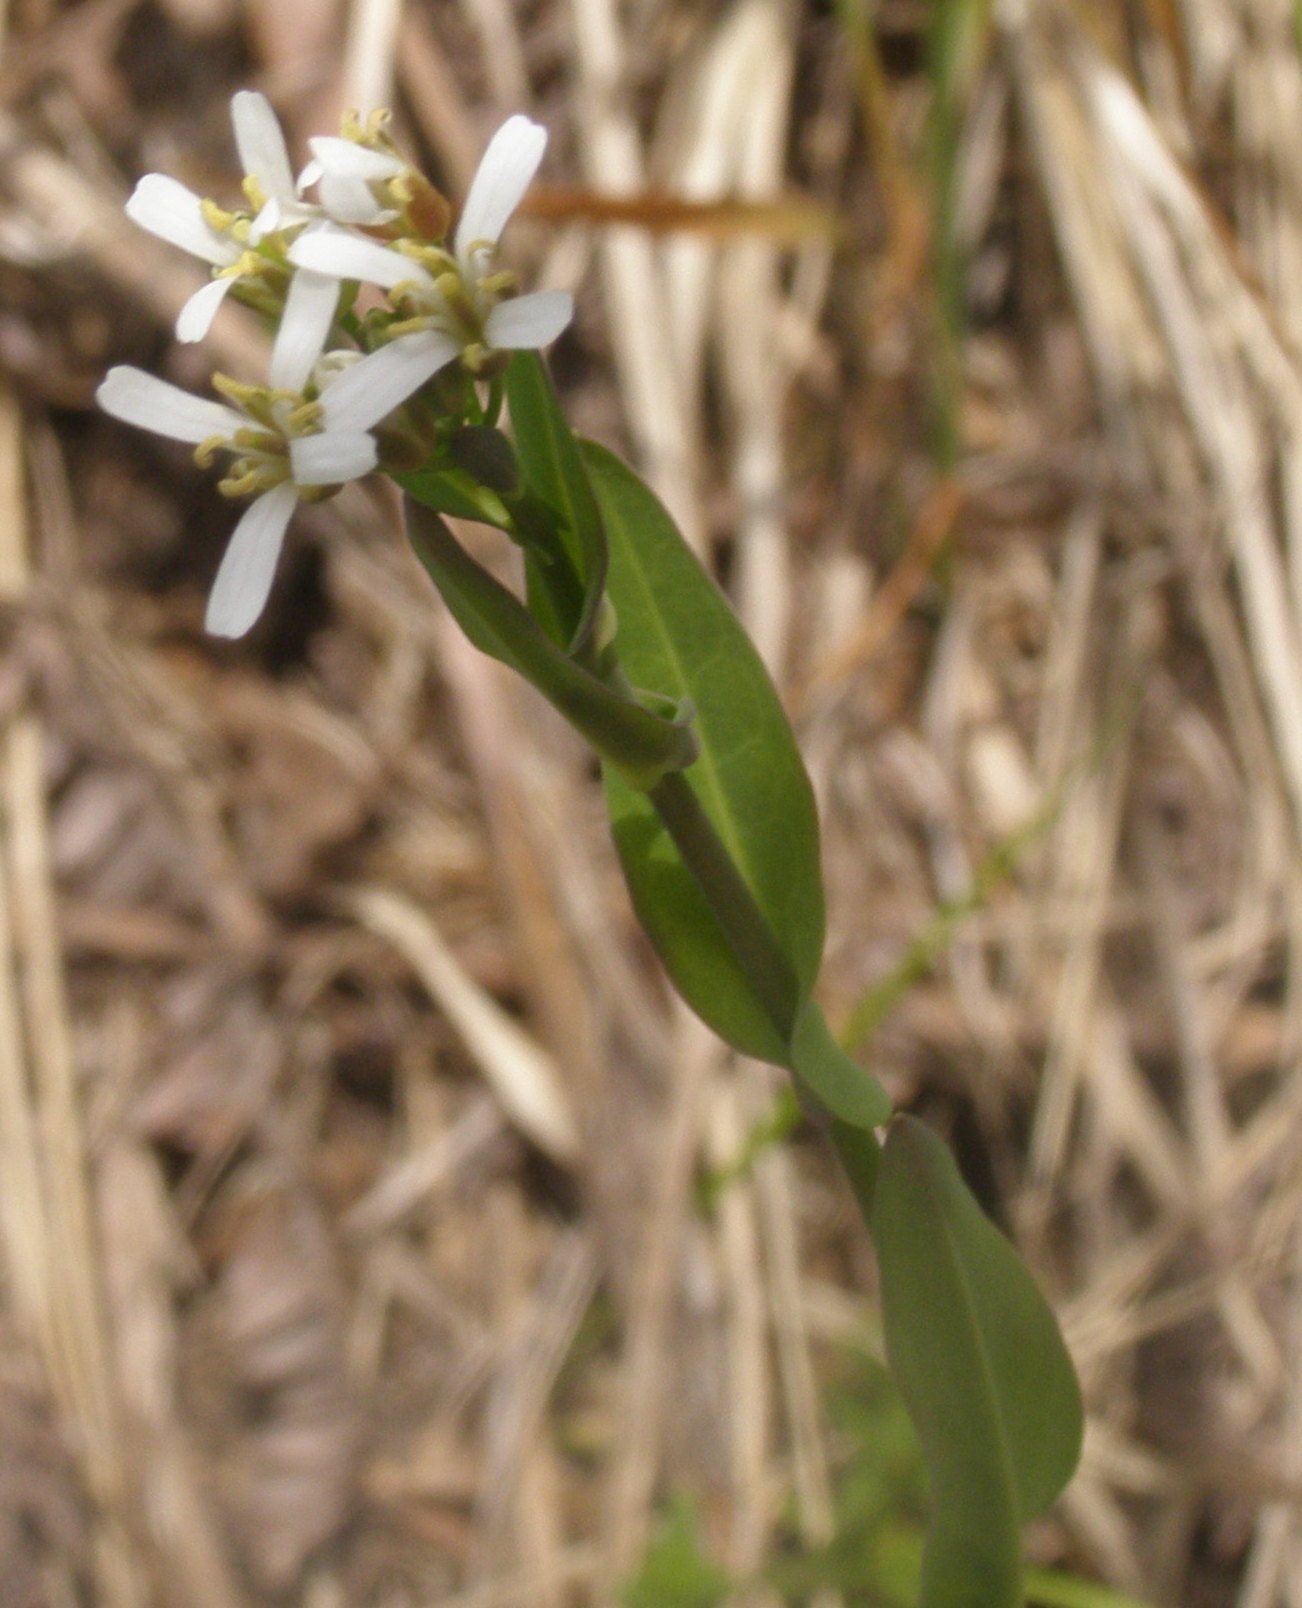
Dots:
{"x": 375, "y": 1232}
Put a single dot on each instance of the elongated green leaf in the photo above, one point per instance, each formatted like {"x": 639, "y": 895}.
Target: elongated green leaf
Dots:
{"x": 681, "y": 926}
{"x": 677, "y": 634}
{"x": 982, "y": 1367}
{"x": 643, "y": 744}
{"x": 452, "y": 491}
{"x": 555, "y": 475}
{"x": 861, "y": 1157}
{"x": 848, "y": 1091}
{"x": 1052, "y": 1588}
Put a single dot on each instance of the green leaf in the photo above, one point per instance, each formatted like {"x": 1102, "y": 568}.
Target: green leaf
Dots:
{"x": 683, "y": 929}
{"x": 483, "y": 452}
{"x": 861, "y": 1157}
{"x": 873, "y": 1558}
{"x": 982, "y": 1367}
{"x": 559, "y": 508}
{"x": 958, "y": 41}
{"x": 452, "y": 491}
{"x": 848, "y": 1090}
{"x": 677, "y": 634}
{"x": 1052, "y": 1588}
{"x": 641, "y": 743}
{"x": 676, "y": 1571}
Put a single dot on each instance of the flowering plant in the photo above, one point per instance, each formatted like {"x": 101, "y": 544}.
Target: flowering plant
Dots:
{"x": 622, "y": 630}
{"x": 333, "y": 378}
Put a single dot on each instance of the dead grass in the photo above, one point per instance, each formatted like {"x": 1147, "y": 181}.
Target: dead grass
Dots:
{"x": 351, "y": 1253}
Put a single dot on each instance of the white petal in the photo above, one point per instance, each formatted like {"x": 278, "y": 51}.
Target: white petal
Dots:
{"x": 267, "y": 220}
{"x": 529, "y": 321}
{"x": 173, "y": 213}
{"x": 149, "y": 403}
{"x": 384, "y": 379}
{"x": 246, "y": 571}
{"x": 347, "y": 256}
{"x": 195, "y": 318}
{"x": 330, "y": 365}
{"x": 348, "y": 159}
{"x": 505, "y": 173}
{"x": 350, "y": 200}
{"x": 304, "y": 325}
{"x": 261, "y": 144}
{"x": 332, "y": 458}
{"x": 308, "y": 177}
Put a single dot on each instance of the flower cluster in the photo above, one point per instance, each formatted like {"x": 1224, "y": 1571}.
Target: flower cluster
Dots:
{"x": 334, "y": 378}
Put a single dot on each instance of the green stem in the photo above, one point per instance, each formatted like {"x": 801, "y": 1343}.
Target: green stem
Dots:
{"x": 860, "y": 1156}
{"x": 744, "y": 924}
{"x": 827, "y": 1082}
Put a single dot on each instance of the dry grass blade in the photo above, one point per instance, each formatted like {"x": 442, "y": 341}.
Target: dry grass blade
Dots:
{"x": 51, "y": 1245}
{"x": 437, "y": 102}
{"x": 1172, "y": 293}
{"x": 499, "y": 33}
{"x": 83, "y": 220}
{"x": 645, "y": 1381}
{"x": 747, "y": 1361}
{"x": 419, "y": 1173}
{"x": 518, "y": 1401}
{"x": 522, "y": 1077}
{"x": 369, "y": 54}
{"x": 656, "y": 392}
{"x": 791, "y": 220}
{"x": 519, "y": 787}
{"x": 1202, "y": 396}
{"x": 811, "y": 1477}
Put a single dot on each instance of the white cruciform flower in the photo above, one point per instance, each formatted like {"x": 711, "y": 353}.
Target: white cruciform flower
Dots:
{"x": 361, "y": 177}
{"x": 344, "y": 172}
{"x": 459, "y": 293}
{"x": 288, "y": 443}
{"x": 233, "y": 242}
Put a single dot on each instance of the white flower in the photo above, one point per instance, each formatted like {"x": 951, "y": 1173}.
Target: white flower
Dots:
{"x": 344, "y": 171}
{"x": 164, "y": 207}
{"x": 268, "y": 178}
{"x": 286, "y": 445}
{"x": 459, "y": 294}
{"x": 229, "y": 241}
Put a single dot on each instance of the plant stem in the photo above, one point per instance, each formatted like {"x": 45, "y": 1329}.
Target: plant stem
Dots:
{"x": 860, "y": 1157}
{"x": 744, "y": 924}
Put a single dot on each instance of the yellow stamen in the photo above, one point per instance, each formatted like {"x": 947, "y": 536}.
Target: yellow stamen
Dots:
{"x": 207, "y": 450}
{"x": 305, "y": 419}
{"x": 248, "y": 265}
{"x": 248, "y": 478}
{"x": 237, "y": 391}
{"x": 217, "y": 218}
{"x": 433, "y": 259}
{"x": 406, "y": 326}
{"x": 248, "y": 440}
{"x": 408, "y": 290}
